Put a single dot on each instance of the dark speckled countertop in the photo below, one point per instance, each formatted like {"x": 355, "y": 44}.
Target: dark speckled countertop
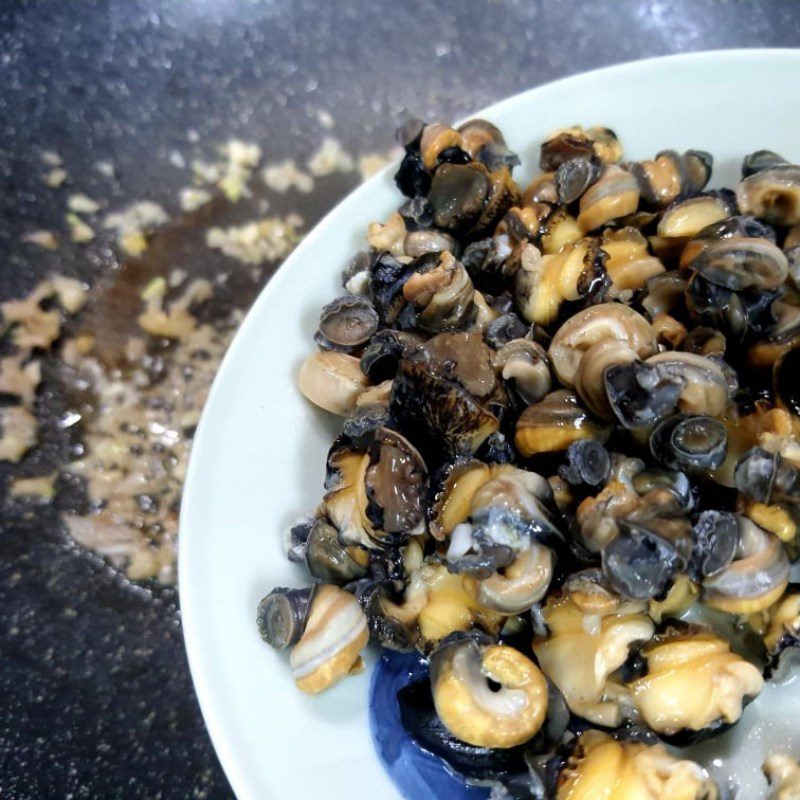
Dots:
{"x": 95, "y": 696}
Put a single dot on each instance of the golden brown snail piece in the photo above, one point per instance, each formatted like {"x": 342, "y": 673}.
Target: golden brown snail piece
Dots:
{"x": 335, "y": 634}
{"x": 615, "y": 195}
{"x": 601, "y": 767}
{"x": 586, "y": 642}
{"x": 554, "y": 422}
{"x": 544, "y": 283}
{"x": 471, "y": 710}
{"x": 693, "y": 681}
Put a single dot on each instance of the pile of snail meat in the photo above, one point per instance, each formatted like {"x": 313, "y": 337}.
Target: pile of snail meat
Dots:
{"x": 569, "y": 460}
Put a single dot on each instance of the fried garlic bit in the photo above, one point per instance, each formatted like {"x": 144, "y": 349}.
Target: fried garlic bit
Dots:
{"x": 177, "y": 322}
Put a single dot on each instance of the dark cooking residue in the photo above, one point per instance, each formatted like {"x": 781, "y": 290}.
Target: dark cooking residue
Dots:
{"x": 136, "y": 363}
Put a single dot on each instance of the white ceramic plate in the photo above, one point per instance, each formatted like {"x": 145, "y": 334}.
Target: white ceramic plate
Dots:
{"x": 259, "y": 454}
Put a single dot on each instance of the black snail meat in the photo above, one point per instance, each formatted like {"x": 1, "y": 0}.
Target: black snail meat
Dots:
{"x": 570, "y": 421}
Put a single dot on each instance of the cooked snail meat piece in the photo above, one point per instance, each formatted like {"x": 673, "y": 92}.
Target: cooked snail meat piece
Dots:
{"x": 596, "y": 516}
{"x": 544, "y": 283}
{"x": 615, "y": 194}
{"x": 671, "y": 174}
{"x": 422, "y": 723}
{"x": 783, "y": 774}
{"x": 772, "y": 194}
{"x": 481, "y": 551}
{"x": 715, "y": 541}
{"x": 441, "y": 294}
{"x": 503, "y": 194}
{"x": 489, "y": 262}
{"x": 500, "y": 504}
{"x": 694, "y": 686}
{"x": 554, "y": 423}
{"x": 588, "y": 464}
{"x": 461, "y": 669}
{"x": 486, "y": 143}
{"x": 522, "y": 223}
{"x": 440, "y": 143}
{"x": 734, "y": 227}
{"x": 760, "y": 160}
{"x": 345, "y": 501}
{"x": 757, "y": 576}
{"x": 387, "y": 237}
{"x": 384, "y": 629}
{"x": 601, "y": 766}
{"x": 664, "y": 294}
{"x": 435, "y": 603}
{"x": 576, "y": 142}
{"x": 783, "y": 621}
{"x": 590, "y": 378}
{"x": 335, "y": 634}
{"x": 686, "y": 218}
{"x": 356, "y": 275}
{"x": 558, "y": 229}
{"x": 689, "y": 442}
{"x": 332, "y": 380}
{"x": 422, "y": 242}
{"x": 675, "y": 482}
{"x": 589, "y": 634}
{"x": 437, "y": 412}
{"x": 565, "y": 146}
{"x": 347, "y": 323}
{"x": 452, "y": 488}
{"x": 417, "y": 214}
{"x": 523, "y": 582}
{"x": 738, "y": 263}
{"x": 282, "y": 616}
{"x": 679, "y": 598}
{"x": 630, "y": 265}
{"x": 574, "y": 177}
{"x": 497, "y": 450}
{"x": 374, "y": 498}
{"x": 359, "y": 427}
{"x": 297, "y": 539}
{"x": 387, "y": 565}
{"x": 541, "y": 191}
{"x": 783, "y": 336}
{"x": 592, "y": 325}
{"x": 523, "y": 366}
{"x": 782, "y": 636}
{"x": 328, "y": 560}
{"x": 522, "y": 493}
